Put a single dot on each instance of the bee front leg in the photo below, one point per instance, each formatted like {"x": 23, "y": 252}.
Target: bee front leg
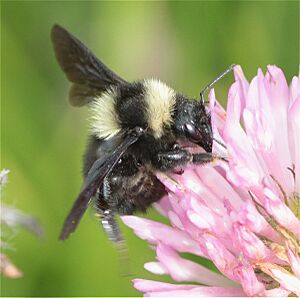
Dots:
{"x": 202, "y": 158}
{"x": 169, "y": 160}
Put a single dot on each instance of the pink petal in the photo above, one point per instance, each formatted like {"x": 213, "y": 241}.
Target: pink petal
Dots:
{"x": 185, "y": 270}
{"x": 156, "y": 268}
{"x": 251, "y": 246}
{"x": 144, "y": 285}
{"x": 163, "y": 206}
{"x": 155, "y": 288}
{"x": 223, "y": 259}
{"x": 218, "y": 117}
{"x": 258, "y": 117}
{"x": 200, "y": 292}
{"x": 293, "y": 259}
{"x": 208, "y": 222}
{"x": 244, "y": 166}
{"x": 191, "y": 182}
{"x": 251, "y": 285}
{"x": 180, "y": 207}
{"x": 262, "y": 128}
{"x": 156, "y": 232}
{"x": 282, "y": 213}
{"x": 277, "y": 292}
{"x": 7, "y": 267}
{"x": 294, "y": 139}
{"x": 175, "y": 220}
{"x": 294, "y": 90}
{"x": 198, "y": 189}
{"x": 250, "y": 218}
{"x": 170, "y": 183}
{"x": 242, "y": 84}
{"x": 219, "y": 187}
{"x": 277, "y": 86}
{"x": 203, "y": 217}
{"x": 287, "y": 280}
{"x": 218, "y": 114}
{"x": 278, "y": 93}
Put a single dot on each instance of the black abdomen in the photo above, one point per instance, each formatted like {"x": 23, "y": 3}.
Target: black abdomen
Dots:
{"x": 132, "y": 187}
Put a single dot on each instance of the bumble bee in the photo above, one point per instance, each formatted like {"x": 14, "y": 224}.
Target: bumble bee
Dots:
{"x": 136, "y": 129}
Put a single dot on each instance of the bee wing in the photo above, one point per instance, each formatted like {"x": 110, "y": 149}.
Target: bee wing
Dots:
{"x": 89, "y": 75}
{"x": 99, "y": 170}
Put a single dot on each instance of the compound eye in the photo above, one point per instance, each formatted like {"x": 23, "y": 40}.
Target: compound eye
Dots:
{"x": 192, "y": 133}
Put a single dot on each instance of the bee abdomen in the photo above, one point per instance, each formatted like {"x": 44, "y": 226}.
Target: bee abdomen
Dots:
{"x": 135, "y": 192}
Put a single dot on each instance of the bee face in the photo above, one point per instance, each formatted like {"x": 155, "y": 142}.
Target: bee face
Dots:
{"x": 193, "y": 123}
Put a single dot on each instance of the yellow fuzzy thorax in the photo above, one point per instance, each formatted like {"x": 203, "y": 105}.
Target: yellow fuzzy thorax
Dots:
{"x": 159, "y": 101}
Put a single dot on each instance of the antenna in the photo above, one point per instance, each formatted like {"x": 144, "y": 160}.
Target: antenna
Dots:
{"x": 229, "y": 69}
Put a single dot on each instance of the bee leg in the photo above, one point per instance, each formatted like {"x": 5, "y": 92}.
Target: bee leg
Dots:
{"x": 112, "y": 230}
{"x": 108, "y": 220}
{"x": 202, "y": 158}
{"x": 111, "y": 227}
{"x": 169, "y": 160}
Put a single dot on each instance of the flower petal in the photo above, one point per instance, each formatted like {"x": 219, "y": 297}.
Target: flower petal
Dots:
{"x": 287, "y": 280}
{"x": 281, "y": 212}
{"x": 218, "y": 117}
{"x": 181, "y": 269}
{"x": 242, "y": 84}
{"x": 223, "y": 259}
{"x": 248, "y": 279}
{"x": 244, "y": 166}
{"x": 294, "y": 90}
{"x": 294, "y": 140}
{"x": 163, "y": 206}
{"x": 161, "y": 289}
{"x": 145, "y": 285}
{"x": 278, "y": 92}
{"x": 251, "y": 246}
{"x": 155, "y": 232}
{"x": 156, "y": 268}
{"x": 254, "y": 221}
{"x": 200, "y": 292}
{"x": 277, "y": 292}
{"x": 293, "y": 258}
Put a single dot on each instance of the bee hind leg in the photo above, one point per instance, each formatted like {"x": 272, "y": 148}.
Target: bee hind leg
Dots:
{"x": 111, "y": 227}
{"x": 108, "y": 221}
{"x": 112, "y": 231}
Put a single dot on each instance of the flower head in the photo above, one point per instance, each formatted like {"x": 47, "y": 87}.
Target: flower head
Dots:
{"x": 243, "y": 215}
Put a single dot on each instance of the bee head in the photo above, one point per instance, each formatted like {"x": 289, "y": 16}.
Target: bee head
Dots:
{"x": 193, "y": 122}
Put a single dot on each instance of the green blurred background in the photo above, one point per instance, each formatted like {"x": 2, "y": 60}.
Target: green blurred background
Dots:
{"x": 186, "y": 44}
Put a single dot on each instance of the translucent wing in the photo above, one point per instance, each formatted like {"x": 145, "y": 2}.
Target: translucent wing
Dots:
{"x": 89, "y": 75}
{"x": 99, "y": 170}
